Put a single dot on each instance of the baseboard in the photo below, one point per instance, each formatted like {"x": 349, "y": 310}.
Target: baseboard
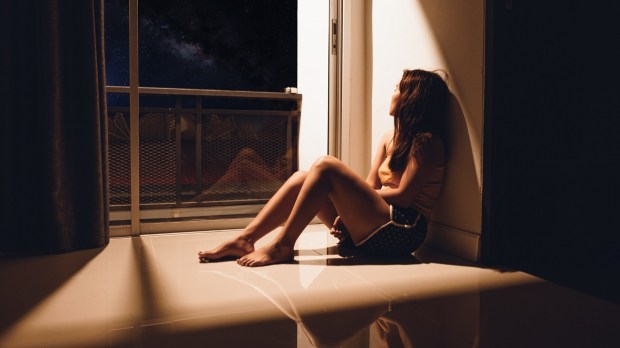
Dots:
{"x": 455, "y": 241}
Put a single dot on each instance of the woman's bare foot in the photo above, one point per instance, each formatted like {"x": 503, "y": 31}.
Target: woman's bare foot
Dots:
{"x": 267, "y": 255}
{"x": 236, "y": 247}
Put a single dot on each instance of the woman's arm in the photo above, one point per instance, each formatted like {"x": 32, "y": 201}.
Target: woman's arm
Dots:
{"x": 416, "y": 174}
{"x": 373, "y": 175}
{"x": 372, "y": 179}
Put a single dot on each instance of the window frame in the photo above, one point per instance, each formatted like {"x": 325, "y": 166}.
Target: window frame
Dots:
{"x": 136, "y": 227}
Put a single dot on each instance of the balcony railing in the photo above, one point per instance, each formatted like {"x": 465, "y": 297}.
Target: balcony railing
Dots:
{"x": 202, "y": 148}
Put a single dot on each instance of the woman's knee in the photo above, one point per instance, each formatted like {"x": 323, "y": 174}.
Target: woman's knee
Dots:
{"x": 327, "y": 163}
{"x": 298, "y": 177}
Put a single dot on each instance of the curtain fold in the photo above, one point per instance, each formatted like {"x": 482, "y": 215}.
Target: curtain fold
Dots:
{"x": 54, "y": 133}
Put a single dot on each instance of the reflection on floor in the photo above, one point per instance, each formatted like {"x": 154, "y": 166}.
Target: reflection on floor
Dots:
{"x": 150, "y": 291}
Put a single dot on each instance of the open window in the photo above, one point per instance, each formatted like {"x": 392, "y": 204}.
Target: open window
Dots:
{"x": 204, "y": 114}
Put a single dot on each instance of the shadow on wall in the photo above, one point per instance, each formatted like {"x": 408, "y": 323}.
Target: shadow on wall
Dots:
{"x": 458, "y": 209}
{"x": 458, "y": 29}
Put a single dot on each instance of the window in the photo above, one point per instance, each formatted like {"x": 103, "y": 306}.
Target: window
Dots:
{"x": 217, "y": 134}
{"x": 244, "y": 45}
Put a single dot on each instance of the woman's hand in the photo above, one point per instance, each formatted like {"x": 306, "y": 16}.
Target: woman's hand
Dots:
{"x": 338, "y": 229}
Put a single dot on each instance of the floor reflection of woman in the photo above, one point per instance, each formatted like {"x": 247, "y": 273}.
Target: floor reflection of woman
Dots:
{"x": 384, "y": 215}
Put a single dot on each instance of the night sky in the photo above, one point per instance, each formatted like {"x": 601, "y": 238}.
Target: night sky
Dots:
{"x": 207, "y": 44}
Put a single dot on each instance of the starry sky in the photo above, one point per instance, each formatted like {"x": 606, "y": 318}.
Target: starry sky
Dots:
{"x": 210, "y": 44}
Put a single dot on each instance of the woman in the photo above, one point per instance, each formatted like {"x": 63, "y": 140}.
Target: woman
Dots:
{"x": 385, "y": 215}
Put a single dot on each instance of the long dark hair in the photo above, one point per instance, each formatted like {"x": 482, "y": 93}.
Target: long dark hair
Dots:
{"x": 421, "y": 112}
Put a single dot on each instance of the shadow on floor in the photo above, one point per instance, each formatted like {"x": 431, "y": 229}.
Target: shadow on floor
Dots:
{"x": 29, "y": 280}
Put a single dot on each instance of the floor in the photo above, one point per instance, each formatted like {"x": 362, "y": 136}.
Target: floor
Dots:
{"x": 150, "y": 291}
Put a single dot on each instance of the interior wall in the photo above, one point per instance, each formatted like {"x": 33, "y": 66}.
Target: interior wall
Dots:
{"x": 448, "y": 35}
{"x": 312, "y": 78}
{"x": 356, "y": 85}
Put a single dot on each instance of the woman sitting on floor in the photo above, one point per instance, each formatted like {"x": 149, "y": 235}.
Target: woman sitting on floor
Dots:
{"x": 384, "y": 215}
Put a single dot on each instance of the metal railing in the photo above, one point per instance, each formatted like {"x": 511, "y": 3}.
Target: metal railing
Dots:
{"x": 202, "y": 148}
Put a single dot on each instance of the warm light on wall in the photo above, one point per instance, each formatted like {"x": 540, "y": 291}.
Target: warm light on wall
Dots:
{"x": 312, "y": 78}
{"x": 402, "y": 39}
{"x": 446, "y": 35}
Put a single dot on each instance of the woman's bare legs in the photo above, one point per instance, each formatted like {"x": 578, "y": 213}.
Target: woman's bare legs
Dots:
{"x": 358, "y": 205}
{"x": 271, "y": 216}
{"x": 275, "y": 212}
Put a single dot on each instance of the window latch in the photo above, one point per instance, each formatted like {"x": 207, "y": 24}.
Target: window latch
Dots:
{"x": 334, "y": 37}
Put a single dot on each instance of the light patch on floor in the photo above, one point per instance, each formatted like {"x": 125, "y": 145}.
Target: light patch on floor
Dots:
{"x": 152, "y": 291}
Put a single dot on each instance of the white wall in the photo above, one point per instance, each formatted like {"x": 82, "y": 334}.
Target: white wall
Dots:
{"x": 381, "y": 38}
{"x": 312, "y": 78}
{"x": 356, "y": 85}
{"x": 438, "y": 34}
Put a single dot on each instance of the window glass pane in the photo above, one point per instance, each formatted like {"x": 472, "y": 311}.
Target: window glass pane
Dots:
{"x": 215, "y": 44}
{"x": 117, "y": 43}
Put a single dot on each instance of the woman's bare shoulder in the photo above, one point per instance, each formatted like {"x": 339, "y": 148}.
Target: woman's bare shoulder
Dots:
{"x": 387, "y": 138}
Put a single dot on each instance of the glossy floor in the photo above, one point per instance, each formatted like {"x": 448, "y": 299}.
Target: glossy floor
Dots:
{"x": 150, "y": 291}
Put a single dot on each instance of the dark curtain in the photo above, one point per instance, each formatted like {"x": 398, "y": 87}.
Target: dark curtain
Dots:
{"x": 54, "y": 132}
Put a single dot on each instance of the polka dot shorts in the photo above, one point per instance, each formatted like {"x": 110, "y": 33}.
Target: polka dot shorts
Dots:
{"x": 401, "y": 236}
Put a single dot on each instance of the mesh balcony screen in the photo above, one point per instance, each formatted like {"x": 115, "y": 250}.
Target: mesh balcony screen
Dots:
{"x": 243, "y": 156}
{"x": 210, "y": 154}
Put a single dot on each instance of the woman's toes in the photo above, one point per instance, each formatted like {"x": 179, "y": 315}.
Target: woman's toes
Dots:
{"x": 244, "y": 261}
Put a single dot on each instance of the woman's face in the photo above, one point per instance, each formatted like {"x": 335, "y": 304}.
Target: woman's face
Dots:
{"x": 395, "y": 99}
